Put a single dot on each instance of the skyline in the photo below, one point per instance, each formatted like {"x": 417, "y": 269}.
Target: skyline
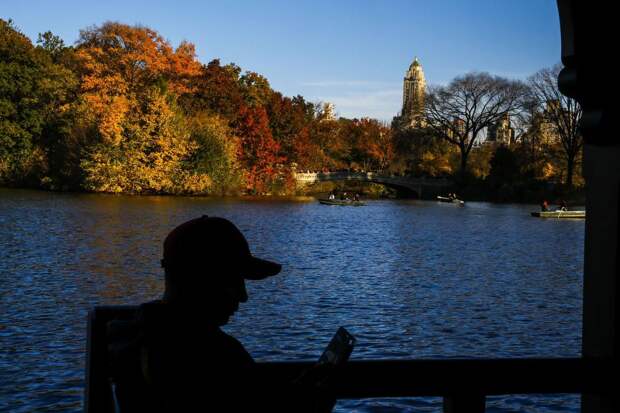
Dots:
{"x": 352, "y": 54}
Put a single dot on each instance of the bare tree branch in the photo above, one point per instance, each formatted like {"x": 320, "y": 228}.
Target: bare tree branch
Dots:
{"x": 460, "y": 111}
{"x": 560, "y": 112}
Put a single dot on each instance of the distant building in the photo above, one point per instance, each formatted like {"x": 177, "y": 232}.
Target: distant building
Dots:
{"x": 501, "y": 132}
{"x": 414, "y": 89}
{"x": 542, "y": 132}
{"x": 457, "y": 128}
{"x": 327, "y": 112}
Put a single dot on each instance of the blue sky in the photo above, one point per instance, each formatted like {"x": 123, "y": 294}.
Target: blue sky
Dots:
{"x": 351, "y": 53}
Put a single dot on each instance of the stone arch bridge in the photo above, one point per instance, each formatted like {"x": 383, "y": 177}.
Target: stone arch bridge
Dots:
{"x": 419, "y": 186}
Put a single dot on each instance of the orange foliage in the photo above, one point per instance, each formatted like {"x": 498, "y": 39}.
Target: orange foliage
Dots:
{"x": 119, "y": 65}
{"x": 375, "y": 143}
{"x": 126, "y": 59}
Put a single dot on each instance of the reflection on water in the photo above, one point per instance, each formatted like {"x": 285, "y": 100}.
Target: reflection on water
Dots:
{"x": 409, "y": 279}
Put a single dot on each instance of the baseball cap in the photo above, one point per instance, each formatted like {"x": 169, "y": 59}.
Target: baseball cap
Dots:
{"x": 217, "y": 244}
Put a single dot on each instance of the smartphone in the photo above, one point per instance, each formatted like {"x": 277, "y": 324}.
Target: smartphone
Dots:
{"x": 339, "y": 348}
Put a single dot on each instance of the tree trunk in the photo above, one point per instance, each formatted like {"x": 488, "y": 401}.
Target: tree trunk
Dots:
{"x": 570, "y": 166}
{"x": 463, "y": 169}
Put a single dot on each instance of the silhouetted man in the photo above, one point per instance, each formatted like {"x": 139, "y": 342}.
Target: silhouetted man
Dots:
{"x": 173, "y": 356}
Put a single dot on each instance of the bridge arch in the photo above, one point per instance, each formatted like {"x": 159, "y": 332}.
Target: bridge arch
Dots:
{"x": 417, "y": 186}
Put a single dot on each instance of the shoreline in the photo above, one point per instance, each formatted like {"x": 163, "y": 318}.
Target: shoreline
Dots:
{"x": 578, "y": 199}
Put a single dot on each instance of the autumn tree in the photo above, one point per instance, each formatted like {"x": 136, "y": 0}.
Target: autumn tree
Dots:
{"x": 419, "y": 152}
{"x": 216, "y": 89}
{"x": 258, "y": 151}
{"x": 370, "y": 144}
{"x": 121, "y": 64}
{"x": 462, "y": 110}
{"x": 330, "y": 149}
{"x": 152, "y": 157}
{"x": 256, "y": 89}
{"x": 130, "y": 80}
{"x": 291, "y": 128}
{"x": 561, "y": 113}
{"x": 132, "y": 58}
{"x": 307, "y": 155}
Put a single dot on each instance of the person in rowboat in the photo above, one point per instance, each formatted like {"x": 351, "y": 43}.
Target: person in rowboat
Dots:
{"x": 563, "y": 206}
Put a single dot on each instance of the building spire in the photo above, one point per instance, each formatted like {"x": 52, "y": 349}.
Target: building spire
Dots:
{"x": 414, "y": 88}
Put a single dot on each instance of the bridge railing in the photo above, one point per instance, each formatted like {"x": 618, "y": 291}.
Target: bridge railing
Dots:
{"x": 379, "y": 177}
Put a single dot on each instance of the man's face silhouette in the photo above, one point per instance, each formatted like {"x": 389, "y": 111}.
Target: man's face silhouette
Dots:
{"x": 232, "y": 294}
{"x": 212, "y": 299}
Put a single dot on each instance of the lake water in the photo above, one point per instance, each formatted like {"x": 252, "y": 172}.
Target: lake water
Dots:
{"x": 410, "y": 279}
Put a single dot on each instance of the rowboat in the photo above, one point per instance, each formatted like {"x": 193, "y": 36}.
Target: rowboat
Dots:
{"x": 559, "y": 214}
{"x": 450, "y": 200}
{"x": 341, "y": 202}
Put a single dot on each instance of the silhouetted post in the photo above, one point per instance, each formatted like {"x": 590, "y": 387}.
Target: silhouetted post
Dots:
{"x": 587, "y": 76}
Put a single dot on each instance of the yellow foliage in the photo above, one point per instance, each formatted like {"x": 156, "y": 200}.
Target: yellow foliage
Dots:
{"x": 150, "y": 155}
{"x": 111, "y": 120}
{"x": 193, "y": 183}
{"x": 479, "y": 163}
{"x": 434, "y": 164}
{"x": 548, "y": 170}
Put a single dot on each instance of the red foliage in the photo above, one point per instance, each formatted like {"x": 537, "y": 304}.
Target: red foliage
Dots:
{"x": 217, "y": 90}
{"x": 258, "y": 152}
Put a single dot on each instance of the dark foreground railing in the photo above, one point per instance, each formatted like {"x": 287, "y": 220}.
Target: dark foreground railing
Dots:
{"x": 464, "y": 384}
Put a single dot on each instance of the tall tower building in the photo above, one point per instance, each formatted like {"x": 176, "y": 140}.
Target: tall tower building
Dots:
{"x": 414, "y": 88}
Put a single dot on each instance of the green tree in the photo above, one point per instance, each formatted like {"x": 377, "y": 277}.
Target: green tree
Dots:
{"x": 215, "y": 153}
{"x": 52, "y": 44}
{"x": 21, "y": 119}
{"x": 34, "y": 97}
{"x": 256, "y": 89}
